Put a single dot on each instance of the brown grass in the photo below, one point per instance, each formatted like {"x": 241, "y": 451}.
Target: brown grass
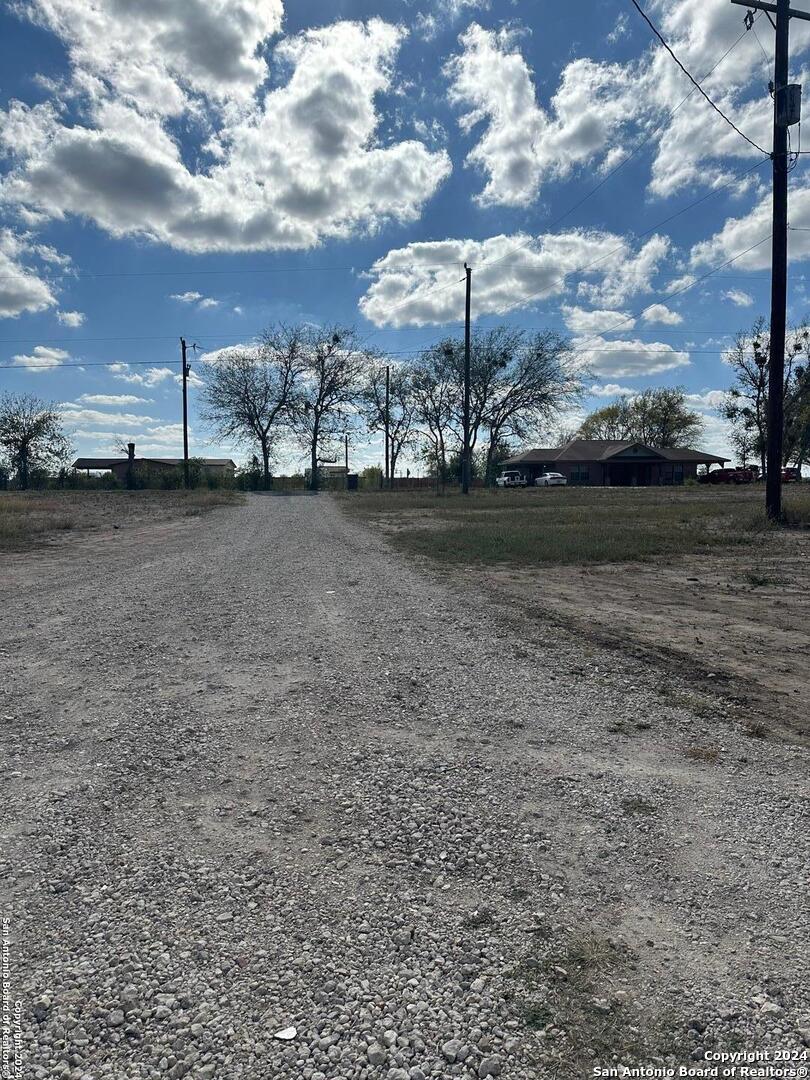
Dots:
{"x": 30, "y": 518}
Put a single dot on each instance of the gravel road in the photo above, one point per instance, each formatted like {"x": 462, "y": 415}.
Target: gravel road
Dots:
{"x": 261, "y": 774}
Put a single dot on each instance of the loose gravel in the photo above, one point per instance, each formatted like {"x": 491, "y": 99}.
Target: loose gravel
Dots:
{"x": 279, "y": 804}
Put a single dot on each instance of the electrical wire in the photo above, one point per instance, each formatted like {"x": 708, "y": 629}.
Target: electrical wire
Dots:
{"x": 639, "y": 145}
{"x": 692, "y": 79}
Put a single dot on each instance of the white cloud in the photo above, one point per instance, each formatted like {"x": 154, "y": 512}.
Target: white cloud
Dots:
{"x": 43, "y": 358}
{"x": 737, "y": 234}
{"x": 600, "y": 110}
{"x": 150, "y": 376}
{"x": 419, "y": 284}
{"x": 21, "y": 288}
{"x": 610, "y": 390}
{"x": 522, "y": 144}
{"x": 187, "y": 297}
{"x": 708, "y": 399}
{"x": 593, "y": 322}
{"x": 626, "y": 359}
{"x": 113, "y": 399}
{"x": 620, "y": 30}
{"x": 156, "y": 54}
{"x": 738, "y": 297}
{"x": 71, "y": 318}
{"x": 208, "y": 302}
{"x": 74, "y": 414}
{"x": 302, "y": 163}
{"x": 660, "y": 313}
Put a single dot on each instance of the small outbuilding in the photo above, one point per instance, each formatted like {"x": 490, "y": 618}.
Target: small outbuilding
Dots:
{"x": 608, "y": 463}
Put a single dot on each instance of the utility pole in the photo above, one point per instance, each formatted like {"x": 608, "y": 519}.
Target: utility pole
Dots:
{"x": 785, "y": 112}
{"x": 387, "y": 425}
{"x": 185, "y": 410}
{"x": 465, "y": 454}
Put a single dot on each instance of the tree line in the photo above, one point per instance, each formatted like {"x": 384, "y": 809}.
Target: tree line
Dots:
{"x": 312, "y": 387}
{"x": 316, "y": 386}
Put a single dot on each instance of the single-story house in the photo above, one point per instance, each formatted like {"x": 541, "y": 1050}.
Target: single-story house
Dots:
{"x": 604, "y": 462}
{"x": 119, "y": 467}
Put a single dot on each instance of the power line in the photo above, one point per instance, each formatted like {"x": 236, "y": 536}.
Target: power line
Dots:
{"x": 670, "y": 294}
{"x": 692, "y": 79}
{"x": 639, "y": 145}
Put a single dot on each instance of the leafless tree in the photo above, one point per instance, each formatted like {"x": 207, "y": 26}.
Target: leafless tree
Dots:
{"x": 332, "y": 364}
{"x": 401, "y": 405}
{"x": 248, "y": 393}
{"x": 31, "y": 436}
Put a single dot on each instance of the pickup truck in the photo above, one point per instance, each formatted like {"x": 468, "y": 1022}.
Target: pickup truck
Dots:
{"x": 511, "y": 478}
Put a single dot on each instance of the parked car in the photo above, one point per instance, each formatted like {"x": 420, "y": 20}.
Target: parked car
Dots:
{"x": 550, "y": 479}
{"x": 791, "y": 475}
{"x": 511, "y": 478}
{"x": 730, "y": 476}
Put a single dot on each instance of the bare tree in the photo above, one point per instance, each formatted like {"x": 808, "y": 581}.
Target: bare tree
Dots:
{"x": 247, "y": 394}
{"x": 332, "y": 365}
{"x": 31, "y": 436}
{"x": 434, "y": 391}
{"x": 401, "y": 405}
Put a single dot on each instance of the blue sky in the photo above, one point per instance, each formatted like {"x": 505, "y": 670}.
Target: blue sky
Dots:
{"x": 203, "y": 168}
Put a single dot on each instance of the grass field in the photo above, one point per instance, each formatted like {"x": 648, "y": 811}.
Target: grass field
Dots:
{"x": 29, "y": 518}
{"x": 571, "y": 525}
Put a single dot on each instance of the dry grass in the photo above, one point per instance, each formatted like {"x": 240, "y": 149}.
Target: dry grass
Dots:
{"x": 705, "y": 754}
{"x": 570, "y": 525}
{"x": 30, "y": 518}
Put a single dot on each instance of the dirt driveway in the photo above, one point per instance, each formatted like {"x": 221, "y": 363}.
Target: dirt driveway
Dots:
{"x": 263, "y": 776}
{"x": 739, "y": 621}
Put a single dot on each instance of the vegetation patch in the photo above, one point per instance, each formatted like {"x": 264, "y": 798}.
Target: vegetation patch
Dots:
{"x": 568, "y": 525}
{"x": 29, "y": 518}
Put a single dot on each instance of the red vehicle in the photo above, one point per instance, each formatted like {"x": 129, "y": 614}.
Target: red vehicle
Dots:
{"x": 791, "y": 475}
{"x": 730, "y": 476}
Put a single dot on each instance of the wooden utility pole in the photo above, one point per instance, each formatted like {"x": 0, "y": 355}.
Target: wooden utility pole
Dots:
{"x": 782, "y": 119}
{"x": 387, "y": 425}
{"x": 465, "y": 453}
{"x": 185, "y": 410}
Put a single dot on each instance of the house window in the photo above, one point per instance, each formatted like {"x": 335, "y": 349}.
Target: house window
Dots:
{"x": 677, "y": 474}
{"x": 580, "y": 475}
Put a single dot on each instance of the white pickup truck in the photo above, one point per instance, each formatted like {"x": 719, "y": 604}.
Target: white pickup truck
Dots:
{"x": 511, "y": 478}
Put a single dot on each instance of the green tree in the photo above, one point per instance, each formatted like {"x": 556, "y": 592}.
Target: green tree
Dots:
{"x": 32, "y": 438}
{"x": 745, "y": 406}
{"x": 656, "y": 417}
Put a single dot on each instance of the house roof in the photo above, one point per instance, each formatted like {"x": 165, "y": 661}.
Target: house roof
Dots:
{"x": 107, "y": 463}
{"x": 606, "y": 449}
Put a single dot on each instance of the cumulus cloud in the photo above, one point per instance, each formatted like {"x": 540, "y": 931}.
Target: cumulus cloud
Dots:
{"x": 282, "y": 169}
{"x": 592, "y": 322}
{"x": 71, "y": 318}
{"x": 156, "y": 54}
{"x": 708, "y": 399}
{"x": 21, "y": 288}
{"x": 419, "y": 284}
{"x": 610, "y": 390}
{"x": 740, "y": 233}
{"x": 43, "y": 358}
{"x": 625, "y": 359}
{"x": 738, "y": 297}
{"x": 600, "y": 110}
{"x": 187, "y": 297}
{"x": 150, "y": 376}
{"x": 660, "y": 313}
{"x": 522, "y": 143}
